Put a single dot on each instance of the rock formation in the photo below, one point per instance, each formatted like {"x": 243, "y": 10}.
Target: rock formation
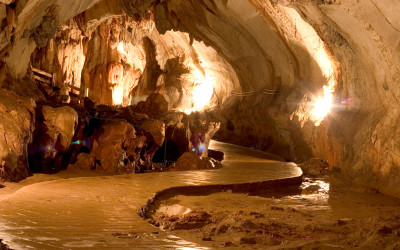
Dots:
{"x": 17, "y": 122}
{"x": 191, "y": 161}
{"x": 123, "y": 141}
{"x": 54, "y": 131}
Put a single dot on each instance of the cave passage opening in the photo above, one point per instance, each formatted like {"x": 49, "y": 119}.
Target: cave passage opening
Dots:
{"x": 119, "y": 60}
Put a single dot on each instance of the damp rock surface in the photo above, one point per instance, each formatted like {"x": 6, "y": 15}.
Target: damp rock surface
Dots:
{"x": 191, "y": 161}
{"x": 17, "y": 121}
{"x": 54, "y": 131}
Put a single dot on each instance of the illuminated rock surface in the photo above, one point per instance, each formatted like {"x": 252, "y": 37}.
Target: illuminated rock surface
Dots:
{"x": 17, "y": 119}
{"x": 314, "y": 82}
{"x": 54, "y": 131}
{"x": 191, "y": 161}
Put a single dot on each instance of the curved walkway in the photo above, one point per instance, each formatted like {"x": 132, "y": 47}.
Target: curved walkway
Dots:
{"x": 101, "y": 212}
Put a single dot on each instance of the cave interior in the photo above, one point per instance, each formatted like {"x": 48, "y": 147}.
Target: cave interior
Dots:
{"x": 148, "y": 86}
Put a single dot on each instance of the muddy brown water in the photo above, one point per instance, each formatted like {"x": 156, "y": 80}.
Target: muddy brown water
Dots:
{"x": 66, "y": 211}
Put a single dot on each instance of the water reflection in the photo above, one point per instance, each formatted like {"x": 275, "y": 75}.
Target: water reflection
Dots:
{"x": 197, "y": 177}
{"x": 182, "y": 244}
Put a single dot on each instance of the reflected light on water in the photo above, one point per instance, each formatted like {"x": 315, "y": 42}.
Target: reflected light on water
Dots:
{"x": 197, "y": 177}
{"x": 183, "y": 244}
{"x": 324, "y": 186}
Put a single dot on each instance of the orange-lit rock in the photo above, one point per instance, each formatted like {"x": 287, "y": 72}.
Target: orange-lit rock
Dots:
{"x": 17, "y": 119}
{"x": 109, "y": 152}
{"x": 84, "y": 161}
{"x": 154, "y": 106}
{"x": 155, "y": 134}
{"x": 61, "y": 124}
{"x": 54, "y": 130}
{"x": 190, "y": 161}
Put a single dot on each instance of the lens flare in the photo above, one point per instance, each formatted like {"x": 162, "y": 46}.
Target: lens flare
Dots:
{"x": 78, "y": 142}
{"x": 346, "y": 101}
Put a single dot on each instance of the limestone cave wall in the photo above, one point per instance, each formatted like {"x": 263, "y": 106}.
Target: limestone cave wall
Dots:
{"x": 360, "y": 37}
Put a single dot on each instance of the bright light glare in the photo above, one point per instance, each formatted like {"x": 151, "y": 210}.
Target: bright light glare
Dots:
{"x": 201, "y": 92}
{"x": 118, "y": 94}
{"x": 320, "y": 106}
{"x": 120, "y": 48}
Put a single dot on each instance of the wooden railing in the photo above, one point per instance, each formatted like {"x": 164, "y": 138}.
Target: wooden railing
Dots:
{"x": 73, "y": 87}
{"x": 48, "y": 78}
{"x": 44, "y": 77}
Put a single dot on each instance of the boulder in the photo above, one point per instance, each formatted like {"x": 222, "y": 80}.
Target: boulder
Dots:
{"x": 109, "y": 148}
{"x": 315, "y": 167}
{"x": 117, "y": 147}
{"x": 216, "y": 155}
{"x": 84, "y": 161}
{"x": 190, "y": 161}
{"x": 17, "y": 119}
{"x": 187, "y": 133}
{"x": 154, "y": 131}
{"x": 53, "y": 135}
{"x": 134, "y": 148}
{"x": 176, "y": 138}
{"x": 61, "y": 124}
{"x": 154, "y": 105}
{"x": 110, "y": 158}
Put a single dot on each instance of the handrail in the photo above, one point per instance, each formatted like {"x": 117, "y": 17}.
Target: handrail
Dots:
{"x": 49, "y": 78}
{"x": 43, "y": 76}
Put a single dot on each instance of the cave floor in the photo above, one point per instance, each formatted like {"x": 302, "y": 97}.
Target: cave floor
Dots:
{"x": 322, "y": 213}
{"x": 81, "y": 210}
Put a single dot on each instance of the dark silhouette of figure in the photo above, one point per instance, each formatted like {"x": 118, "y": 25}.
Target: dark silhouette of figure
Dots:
{"x": 197, "y": 138}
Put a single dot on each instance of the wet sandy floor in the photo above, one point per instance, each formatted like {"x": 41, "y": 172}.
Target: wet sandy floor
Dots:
{"x": 317, "y": 215}
{"x": 64, "y": 211}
